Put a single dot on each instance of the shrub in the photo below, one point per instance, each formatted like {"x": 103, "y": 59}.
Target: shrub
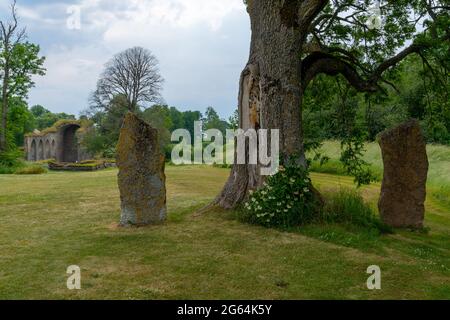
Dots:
{"x": 286, "y": 199}
{"x": 34, "y": 169}
{"x": 348, "y": 206}
{"x": 10, "y": 161}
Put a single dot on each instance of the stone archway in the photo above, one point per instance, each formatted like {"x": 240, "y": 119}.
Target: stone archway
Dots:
{"x": 69, "y": 143}
{"x": 48, "y": 151}
{"x": 33, "y": 151}
{"x": 53, "y": 148}
{"x": 40, "y": 151}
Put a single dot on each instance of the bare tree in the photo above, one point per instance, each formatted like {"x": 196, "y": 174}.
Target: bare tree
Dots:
{"x": 10, "y": 36}
{"x": 134, "y": 74}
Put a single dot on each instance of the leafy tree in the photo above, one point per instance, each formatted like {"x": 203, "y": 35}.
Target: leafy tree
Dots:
{"x": 107, "y": 123}
{"x": 44, "y": 118}
{"x": 189, "y": 117}
{"x": 159, "y": 117}
{"x": 413, "y": 97}
{"x": 295, "y": 41}
{"x": 21, "y": 121}
{"x": 38, "y": 110}
{"x": 213, "y": 121}
{"x": 19, "y": 62}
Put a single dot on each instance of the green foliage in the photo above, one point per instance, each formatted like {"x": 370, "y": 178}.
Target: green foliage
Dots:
{"x": 108, "y": 121}
{"x": 10, "y": 161}
{"x": 20, "y": 122}
{"x": 34, "y": 169}
{"x": 160, "y": 118}
{"x": 44, "y": 118}
{"x": 347, "y": 206}
{"x": 234, "y": 120}
{"x": 213, "y": 121}
{"x": 286, "y": 200}
{"x": 24, "y": 62}
{"x": 334, "y": 111}
{"x": 103, "y": 138}
{"x": 352, "y": 159}
{"x": 21, "y": 62}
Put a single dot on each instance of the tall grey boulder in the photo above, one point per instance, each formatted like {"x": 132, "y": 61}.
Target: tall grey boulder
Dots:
{"x": 403, "y": 190}
{"x": 141, "y": 175}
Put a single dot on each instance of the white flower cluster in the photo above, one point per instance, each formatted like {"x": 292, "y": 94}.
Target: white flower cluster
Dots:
{"x": 269, "y": 201}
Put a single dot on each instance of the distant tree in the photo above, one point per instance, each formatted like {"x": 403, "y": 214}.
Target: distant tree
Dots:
{"x": 133, "y": 74}
{"x": 176, "y": 118}
{"x": 107, "y": 123}
{"x": 159, "y": 117}
{"x": 189, "y": 117}
{"x": 38, "y": 110}
{"x": 44, "y": 118}
{"x": 333, "y": 109}
{"x": 19, "y": 61}
{"x": 213, "y": 121}
{"x": 234, "y": 120}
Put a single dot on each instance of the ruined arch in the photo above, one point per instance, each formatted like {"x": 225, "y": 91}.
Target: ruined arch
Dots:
{"x": 69, "y": 145}
{"x": 48, "y": 151}
{"x": 40, "y": 151}
{"x": 33, "y": 151}
{"x": 53, "y": 148}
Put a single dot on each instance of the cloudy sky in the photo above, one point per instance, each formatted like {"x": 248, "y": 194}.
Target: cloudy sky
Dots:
{"x": 202, "y": 46}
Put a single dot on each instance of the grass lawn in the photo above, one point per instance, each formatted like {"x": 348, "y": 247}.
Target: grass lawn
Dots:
{"x": 51, "y": 221}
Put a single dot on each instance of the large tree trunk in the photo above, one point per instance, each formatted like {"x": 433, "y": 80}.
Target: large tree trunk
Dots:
{"x": 270, "y": 94}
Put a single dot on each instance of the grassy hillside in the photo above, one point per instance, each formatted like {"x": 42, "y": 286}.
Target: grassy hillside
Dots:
{"x": 438, "y": 156}
{"x": 51, "y": 221}
{"x": 438, "y": 174}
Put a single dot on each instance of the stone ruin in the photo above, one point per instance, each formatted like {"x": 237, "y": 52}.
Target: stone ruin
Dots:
{"x": 141, "y": 175}
{"x": 62, "y": 142}
{"x": 403, "y": 190}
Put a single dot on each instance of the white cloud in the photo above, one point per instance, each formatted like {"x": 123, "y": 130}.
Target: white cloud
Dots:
{"x": 171, "y": 13}
{"x": 202, "y": 46}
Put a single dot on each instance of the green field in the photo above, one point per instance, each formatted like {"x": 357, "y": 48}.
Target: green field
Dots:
{"x": 54, "y": 220}
{"x": 438, "y": 156}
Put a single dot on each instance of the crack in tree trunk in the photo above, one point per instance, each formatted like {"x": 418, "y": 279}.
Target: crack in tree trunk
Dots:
{"x": 270, "y": 92}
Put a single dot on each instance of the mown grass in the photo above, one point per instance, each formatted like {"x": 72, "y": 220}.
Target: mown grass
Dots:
{"x": 51, "y": 221}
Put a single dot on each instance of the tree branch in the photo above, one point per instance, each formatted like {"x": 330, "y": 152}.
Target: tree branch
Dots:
{"x": 319, "y": 62}
{"x": 308, "y": 11}
{"x": 326, "y": 63}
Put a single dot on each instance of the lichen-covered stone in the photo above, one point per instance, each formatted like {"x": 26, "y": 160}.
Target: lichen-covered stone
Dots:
{"x": 403, "y": 191}
{"x": 141, "y": 178}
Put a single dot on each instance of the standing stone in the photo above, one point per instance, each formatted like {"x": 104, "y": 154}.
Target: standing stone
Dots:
{"x": 142, "y": 182}
{"x": 403, "y": 191}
